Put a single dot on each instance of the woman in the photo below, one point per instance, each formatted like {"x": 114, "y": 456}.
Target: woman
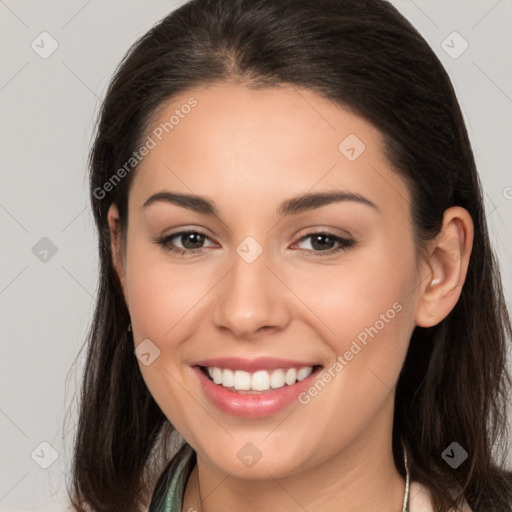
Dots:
{"x": 293, "y": 241}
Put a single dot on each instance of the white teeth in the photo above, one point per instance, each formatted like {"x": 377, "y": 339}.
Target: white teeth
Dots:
{"x": 291, "y": 376}
{"x": 228, "y": 378}
{"x": 217, "y": 375}
{"x": 242, "y": 381}
{"x": 261, "y": 380}
{"x": 303, "y": 373}
{"x": 277, "y": 379}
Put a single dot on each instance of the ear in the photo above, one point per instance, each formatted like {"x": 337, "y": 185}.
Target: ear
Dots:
{"x": 115, "y": 243}
{"x": 445, "y": 267}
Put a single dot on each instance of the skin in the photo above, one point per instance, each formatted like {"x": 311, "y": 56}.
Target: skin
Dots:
{"x": 247, "y": 151}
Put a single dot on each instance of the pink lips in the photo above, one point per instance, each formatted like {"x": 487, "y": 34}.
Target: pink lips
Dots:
{"x": 255, "y": 405}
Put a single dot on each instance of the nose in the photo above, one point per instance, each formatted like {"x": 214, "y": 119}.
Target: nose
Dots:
{"x": 251, "y": 300}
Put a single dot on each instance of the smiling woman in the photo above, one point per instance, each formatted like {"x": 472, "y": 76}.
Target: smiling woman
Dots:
{"x": 299, "y": 308}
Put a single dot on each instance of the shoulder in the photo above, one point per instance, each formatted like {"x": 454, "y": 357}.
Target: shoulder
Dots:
{"x": 420, "y": 499}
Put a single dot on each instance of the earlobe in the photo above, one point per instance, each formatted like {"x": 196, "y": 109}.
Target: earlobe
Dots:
{"x": 446, "y": 267}
{"x": 115, "y": 242}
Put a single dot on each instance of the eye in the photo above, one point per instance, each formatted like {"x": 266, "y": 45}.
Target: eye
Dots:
{"x": 191, "y": 241}
{"x": 324, "y": 243}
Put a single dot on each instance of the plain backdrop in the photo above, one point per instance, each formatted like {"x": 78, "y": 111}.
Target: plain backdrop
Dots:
{"x": 48, "y": 261}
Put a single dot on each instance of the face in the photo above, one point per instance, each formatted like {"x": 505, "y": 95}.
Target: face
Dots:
{"x": 292, "y": 282}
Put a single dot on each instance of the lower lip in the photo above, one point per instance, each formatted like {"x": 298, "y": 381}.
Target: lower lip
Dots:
{"x": 255, "y": 405}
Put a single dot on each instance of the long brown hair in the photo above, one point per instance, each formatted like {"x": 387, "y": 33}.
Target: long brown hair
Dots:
{"x": 364, "y": 55}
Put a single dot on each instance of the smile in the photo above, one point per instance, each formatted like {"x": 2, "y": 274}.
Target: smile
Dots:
{"x": 261, "y": 380}
{"x": 253, "y": 388}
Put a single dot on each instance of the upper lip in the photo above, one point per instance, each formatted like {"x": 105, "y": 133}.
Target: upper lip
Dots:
{"x": 252, "y": 365}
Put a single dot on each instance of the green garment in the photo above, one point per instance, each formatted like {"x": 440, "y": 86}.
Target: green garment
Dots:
{"x": 170, "y": 489}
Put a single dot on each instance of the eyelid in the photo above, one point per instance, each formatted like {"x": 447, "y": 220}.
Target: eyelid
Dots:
{"x": 183, "y": 230}
{"x": 328, "y": 230}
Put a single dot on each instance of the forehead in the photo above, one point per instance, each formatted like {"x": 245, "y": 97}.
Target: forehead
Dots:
{"x": 254, "y": 145}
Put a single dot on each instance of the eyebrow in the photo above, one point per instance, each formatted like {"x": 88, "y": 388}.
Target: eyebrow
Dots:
{"x": 289, "y": 207}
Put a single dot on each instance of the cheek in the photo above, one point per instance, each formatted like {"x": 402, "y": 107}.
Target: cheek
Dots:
{"x": 160, "y": 294}
{"x": 162, "y": 299}
{"x": 366, "y": 289}
{"x": 366, "y": 309}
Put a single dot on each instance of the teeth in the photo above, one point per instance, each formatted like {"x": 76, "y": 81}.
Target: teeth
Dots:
{"x": 291, "y": 376}
{"x": 242, "y": 381}
{"x": 261, "y": 380}
{"x": 217, "y": 375}
{"x": 304, "y": 372}
{"x": 277, "y": 379}
{"x": 228, "y": 378}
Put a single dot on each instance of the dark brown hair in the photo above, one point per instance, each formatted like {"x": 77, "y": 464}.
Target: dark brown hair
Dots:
{"x": 364, "y": 55}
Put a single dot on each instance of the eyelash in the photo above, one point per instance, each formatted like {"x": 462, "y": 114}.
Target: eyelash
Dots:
{"x": 345, "y": 243}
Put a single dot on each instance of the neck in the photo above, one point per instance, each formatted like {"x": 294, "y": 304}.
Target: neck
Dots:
{"x": 361, "y": 477}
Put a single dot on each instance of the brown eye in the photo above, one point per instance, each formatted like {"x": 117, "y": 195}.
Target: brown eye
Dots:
{"x": 191, "y": 240}
{"x": 325, "y": 243}
{"x": 184, "y": 241}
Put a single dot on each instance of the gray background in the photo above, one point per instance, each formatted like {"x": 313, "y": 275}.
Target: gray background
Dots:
{"x": 48, "y": 110}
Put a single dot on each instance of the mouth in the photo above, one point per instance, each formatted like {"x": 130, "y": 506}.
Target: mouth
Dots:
{"x": 257, "y": 388}
{"x": 260, "y": 381}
